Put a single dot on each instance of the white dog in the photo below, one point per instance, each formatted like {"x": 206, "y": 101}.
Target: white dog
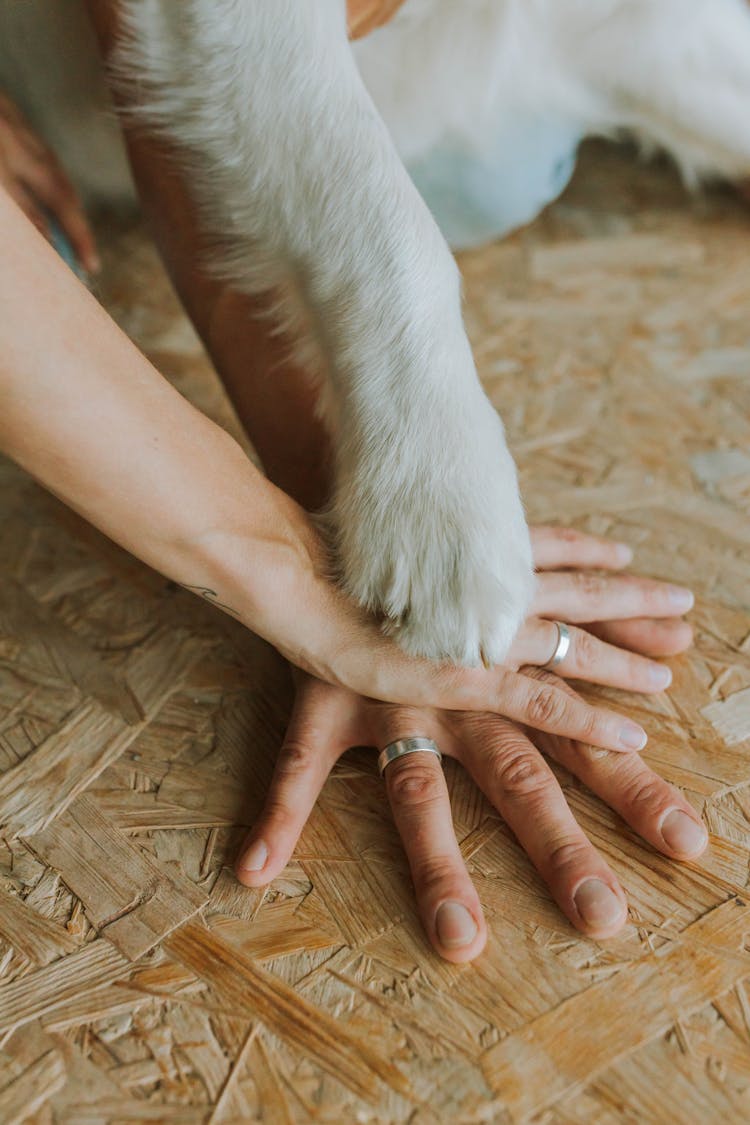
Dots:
{"x": 305, "y": 150}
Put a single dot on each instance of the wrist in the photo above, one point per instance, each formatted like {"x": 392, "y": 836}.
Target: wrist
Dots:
{"x": 254, "y": 562}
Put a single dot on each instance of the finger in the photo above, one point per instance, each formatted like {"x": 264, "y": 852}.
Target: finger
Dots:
{"x": 26, "y": 202}
{"x": 519, "y": 783}
{"x": 311, "y": 747}
{"x": 371, "y": 664}
{"x": 52, "y": 187}
{"x": 646, "y": 635}
{"x": 564, "y": 546}
{"x": 546, "y": 707}
{"x": 582, "y": 597}
{"x": 649, "y": 804}
{"x": 447, "y": 901}
{"x": 589, "y": 658}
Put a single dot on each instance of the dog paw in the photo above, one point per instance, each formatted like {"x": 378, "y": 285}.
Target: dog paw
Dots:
{"x": 433, "y": 539}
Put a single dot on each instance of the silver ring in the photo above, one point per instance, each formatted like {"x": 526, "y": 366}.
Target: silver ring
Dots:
{"x": 404, "y": 746}
{"x": 562, "y": 646}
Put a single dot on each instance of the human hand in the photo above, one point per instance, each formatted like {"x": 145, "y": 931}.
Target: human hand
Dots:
{"x": 503, "y": 760}
{"x": 32, "y": 175}
{"x": 193, "y": 506}
{"x": 311, "y": 622}
{"x": 627, "y": 618}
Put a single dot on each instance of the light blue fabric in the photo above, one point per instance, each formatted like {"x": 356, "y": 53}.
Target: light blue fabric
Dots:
{"x": 61, "y": 243}
{"x": 477, "y": 196}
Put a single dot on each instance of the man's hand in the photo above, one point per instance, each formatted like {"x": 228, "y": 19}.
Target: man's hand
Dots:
{"x": 627, "y": 621}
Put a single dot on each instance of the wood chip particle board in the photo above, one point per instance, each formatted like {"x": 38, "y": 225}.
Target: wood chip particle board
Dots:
{"x": 138, "y": 730}
{"x": 131, "y": 900}
{"x": 731, "y": 717}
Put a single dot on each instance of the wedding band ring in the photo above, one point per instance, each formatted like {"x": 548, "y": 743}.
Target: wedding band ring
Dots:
{"x": 404, "y": 746}
{"x": 562, "y": 646}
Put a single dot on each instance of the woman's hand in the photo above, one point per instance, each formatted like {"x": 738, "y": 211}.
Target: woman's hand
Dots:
{"x": 32, "y": 175}
{"x": 503, "y": 760}
{"x": 627, "y": 618}
{"x": 323, "y": 633}
{"x": 93, "y": 421}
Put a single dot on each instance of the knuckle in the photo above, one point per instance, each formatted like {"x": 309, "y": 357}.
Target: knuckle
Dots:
{"x": 567, "y": 535}
{"x": 589, "y": 726}
{"x": 584, "y": 646}
{"x": 545, "y": 706}
{"x": 646, "y": 793}
{"x": 521, "y": 773}
{"x": 589, "y": 585}
{"x": 434, "y": 874}
{"x": 413, "y": 783}
{"x": 295, "y": 758}
{"x": 565, "y": 854}
{"x": 651, "y": 592}
{"x": 395, "y": 719}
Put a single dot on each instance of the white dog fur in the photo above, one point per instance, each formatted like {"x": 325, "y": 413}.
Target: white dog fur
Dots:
{"x": 298, "y": 145}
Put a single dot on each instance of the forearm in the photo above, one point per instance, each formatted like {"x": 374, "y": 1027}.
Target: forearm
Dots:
{"x": 273, "y": 395}
{"x": 87, "y": 415}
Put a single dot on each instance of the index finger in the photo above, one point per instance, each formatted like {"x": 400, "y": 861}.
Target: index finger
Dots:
{"x": 542, "y": 706}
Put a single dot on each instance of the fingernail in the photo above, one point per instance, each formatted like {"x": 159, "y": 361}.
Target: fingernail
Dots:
{"x": 660, "y": 676}
{"x": 455, "y": 925}
{"x": 632, "y": 736}
{"x": 681, "y": 598}
{"x": 597, "y": 903}
{"x": 624, "y": 553}
{"x": 255, "y": 857}
{"x": 683, "y": 834}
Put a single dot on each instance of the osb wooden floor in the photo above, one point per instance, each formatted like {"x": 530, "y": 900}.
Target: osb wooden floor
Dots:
{"x": 138, "y": 729}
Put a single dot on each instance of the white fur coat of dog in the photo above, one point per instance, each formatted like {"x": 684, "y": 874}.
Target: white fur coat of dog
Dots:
{"x": 304, "y": 151}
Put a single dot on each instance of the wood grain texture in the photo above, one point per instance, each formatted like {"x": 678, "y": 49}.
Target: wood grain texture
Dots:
{"x": 138, "y": 729}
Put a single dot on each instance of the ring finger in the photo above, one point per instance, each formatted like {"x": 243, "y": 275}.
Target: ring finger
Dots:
{"x": 588, "y": 658}
{"x": 447, "y": 901}
{"x": 647, "y": 635}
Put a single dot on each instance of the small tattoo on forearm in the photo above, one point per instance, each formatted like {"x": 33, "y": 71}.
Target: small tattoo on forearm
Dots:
{"x": 210, "y": 596}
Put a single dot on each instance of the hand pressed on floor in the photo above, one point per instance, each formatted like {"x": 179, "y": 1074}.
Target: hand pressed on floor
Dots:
{"x": 506, "y": 761}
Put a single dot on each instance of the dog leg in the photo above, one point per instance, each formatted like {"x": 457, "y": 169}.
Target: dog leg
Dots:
{"x": 303, "y": 192}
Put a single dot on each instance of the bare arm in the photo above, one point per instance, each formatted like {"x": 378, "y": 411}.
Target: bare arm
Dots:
{"x": 96, "y": 424}
{"x": 88, "y": 415}
{"x": 272, "y": 395}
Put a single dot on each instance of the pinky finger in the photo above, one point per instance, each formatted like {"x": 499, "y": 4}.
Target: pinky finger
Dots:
{"x": 589, "y": 658}
{"x": 649, "y": 636}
